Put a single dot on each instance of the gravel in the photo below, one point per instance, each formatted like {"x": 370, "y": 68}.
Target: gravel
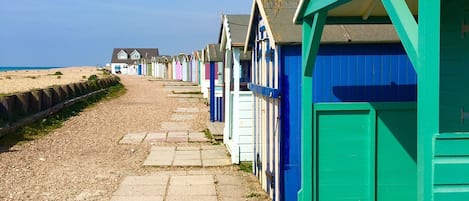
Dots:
{"x": 82, "y": 160}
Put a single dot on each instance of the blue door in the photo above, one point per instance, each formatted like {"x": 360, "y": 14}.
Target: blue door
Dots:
{"x": 139, "y": 70}
{"x": 290, "y": 110}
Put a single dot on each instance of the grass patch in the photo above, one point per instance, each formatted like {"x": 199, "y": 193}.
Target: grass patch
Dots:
{"x": 245, "y": 166}
{"x": 58, "y": 73}
{"x": 83, "y": 77}
{"x": 8, "y": 77}
{"x": 48, "y": 124}
{"x": 59, "y": 77}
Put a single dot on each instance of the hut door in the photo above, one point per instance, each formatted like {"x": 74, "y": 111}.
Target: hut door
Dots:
{"x": 345, "y": 160}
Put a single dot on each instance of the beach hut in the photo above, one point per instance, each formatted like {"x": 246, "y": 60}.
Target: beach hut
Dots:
{"x": 437, "y": 46}
{"x": 184, "y": 68}
{"x": 238, "y": 99}
{"x": 213, "y": 58}
{"x": 277, "y": 59}
{"x": 276, "y": 51}
{"x": 194, "y": 63}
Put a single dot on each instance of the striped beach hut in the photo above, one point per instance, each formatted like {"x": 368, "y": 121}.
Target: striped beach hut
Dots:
{"x": 238, "y": 99}
{"x": 276, "y": 54}
{"x": 213, "y": 77}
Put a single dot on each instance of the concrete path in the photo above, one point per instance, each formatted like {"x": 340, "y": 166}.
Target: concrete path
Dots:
{"x": 164, "y": 136}
{"x": 188, "y": 156}
{"x": 183, "y": 186}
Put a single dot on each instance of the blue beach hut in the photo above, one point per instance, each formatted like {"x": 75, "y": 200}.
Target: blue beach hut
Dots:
{"x": 213, "y": 71}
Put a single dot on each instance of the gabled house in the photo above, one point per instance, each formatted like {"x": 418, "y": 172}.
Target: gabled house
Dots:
{"x": 132, "y": 61}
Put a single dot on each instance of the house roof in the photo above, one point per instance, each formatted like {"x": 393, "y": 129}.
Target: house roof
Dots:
{"x": 164, "y": 59}
{"x": 213, "y": 53}
{"x": 146, "y": 53}
{"x": 277, "y": 15}
{"x": 360, "y": 33}
{"x": 238, "y": 27}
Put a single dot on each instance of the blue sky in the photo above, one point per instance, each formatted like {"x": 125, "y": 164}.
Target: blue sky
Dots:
{"x": 84, "y": 32}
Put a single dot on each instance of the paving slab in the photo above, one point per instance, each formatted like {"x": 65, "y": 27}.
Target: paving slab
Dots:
{"x": 185, "y": 96}
{"x": 142, "y": 190}
{"x": 160, "y": 156}
{"x": 182, "y": 117}
{"x": 191, "y": 198}
{"x": 188, "y": 163}
{"x": 192, "y": 180}
{"x": 175, "y": 126}
{"x": 145, "y": 180}
{"x": 187, "y": 110}
{"x": 189, "y": 100}
{"x": 137, "y": 198}
{"x": 133, "y": 138}
{"x": 159, "y": 136}
{"x": 198, "y": 137}
{"x": 215, "y": 162}
{"x": 229, "y": 180}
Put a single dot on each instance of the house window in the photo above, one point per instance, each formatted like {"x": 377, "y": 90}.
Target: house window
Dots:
{"x": 135, "y": 55}
{"x": 122, "y": 55}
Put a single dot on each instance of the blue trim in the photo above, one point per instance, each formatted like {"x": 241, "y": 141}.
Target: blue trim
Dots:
{"x": 212, "y": 91}
{"x": 264, "y": 91}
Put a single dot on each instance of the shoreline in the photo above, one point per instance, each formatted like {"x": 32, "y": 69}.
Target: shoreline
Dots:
{"x": 25, "y": 80}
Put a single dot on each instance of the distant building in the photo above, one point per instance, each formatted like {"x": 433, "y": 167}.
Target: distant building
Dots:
{"x": 129, "y": 60}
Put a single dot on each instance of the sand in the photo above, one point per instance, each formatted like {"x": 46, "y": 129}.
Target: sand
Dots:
{"x": 25, "y": 80}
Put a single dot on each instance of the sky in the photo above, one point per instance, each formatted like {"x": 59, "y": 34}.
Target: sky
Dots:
{"x": 84, "y": 32}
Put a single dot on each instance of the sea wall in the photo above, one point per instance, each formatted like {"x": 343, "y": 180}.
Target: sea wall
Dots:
{"x": 23, "y": 108}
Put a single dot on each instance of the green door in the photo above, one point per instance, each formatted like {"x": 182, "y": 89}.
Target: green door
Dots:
{"x": 397, "y": 155}
{"x": 366, "y": 153}
{"x": 345, "y": 160}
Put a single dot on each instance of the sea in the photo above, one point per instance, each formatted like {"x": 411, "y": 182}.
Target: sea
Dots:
{"x": 16, "y": 68}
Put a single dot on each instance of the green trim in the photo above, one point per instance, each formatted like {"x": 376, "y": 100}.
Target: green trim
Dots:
{"x": 316, "y": 6}
{"x": 365, "y": 106}
{"x": 313, "y": 33}
{"x": 305, "y": 193}
{"x": 428, "y": 94}
{"x": 452, "y": 136}
{"x": 406, "y": 27}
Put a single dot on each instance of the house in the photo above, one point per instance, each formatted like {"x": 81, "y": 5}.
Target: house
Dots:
{"x": 238, "y": 131}
{"x": 129, "y": 60}
{"x": 437, "y": 46}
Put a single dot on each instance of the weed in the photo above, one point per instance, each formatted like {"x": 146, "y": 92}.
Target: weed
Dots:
{"x": 93, "y": 78}
{"x": 58, "y": 73}
{"x": 8, "y": 77}
{"x": 32, "y": 77}
{"x": 207, "y": 133}
{"x": 59, "y": 77}
{"x": 84, "y": 76}
{"x": 245, "y": 166}
{"x": 252, "y": 195}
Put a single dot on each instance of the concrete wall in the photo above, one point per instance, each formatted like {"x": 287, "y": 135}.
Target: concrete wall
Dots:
{"x": 21, "y": 105}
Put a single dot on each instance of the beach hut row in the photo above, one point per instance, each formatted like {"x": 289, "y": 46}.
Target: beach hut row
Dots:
{"x": 343, "y": 100}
